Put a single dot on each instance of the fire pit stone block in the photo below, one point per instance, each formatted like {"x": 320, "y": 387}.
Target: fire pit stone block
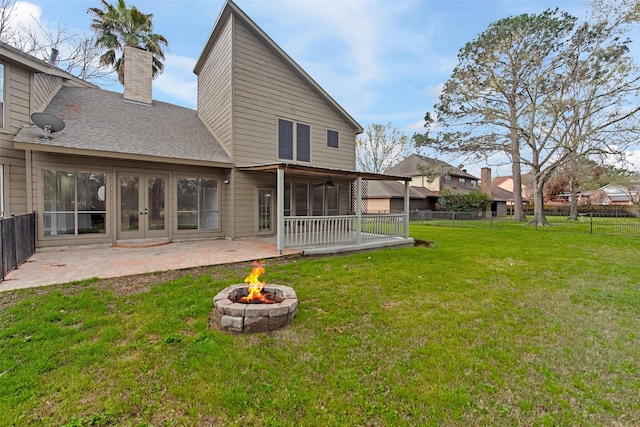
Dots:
{"x": 256, "y": 310}
{"x": 232, "y": 316}
{"x": 256, "y": 324}
{"x": 278, "y": 310}
{"x": 277, "y": 322}
{"x": 235, "y": 309}
{"x": 232, "y": 324}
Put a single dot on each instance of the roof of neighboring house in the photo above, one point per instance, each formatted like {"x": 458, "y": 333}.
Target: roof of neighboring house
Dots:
{"x": 526, "y": 178}
{"x": 394, "y": 190}
{"x": 231, "y": 8}
{"x": 409, "y": 167}
{"x": 499, "y": 180}
{"x": 11, "y": 54}
{"x": 500, "y": 194}
{"x": 101, "y": 123}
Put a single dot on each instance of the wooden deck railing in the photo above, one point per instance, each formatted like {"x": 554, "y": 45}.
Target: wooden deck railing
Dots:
{"x": 300, "y": 231}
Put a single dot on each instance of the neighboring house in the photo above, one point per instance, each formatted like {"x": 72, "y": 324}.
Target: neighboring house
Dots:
{"x": 388, "y": 196}
{"x": 266, "y": 148}
{"x": 615, "y": 194}
{"x": 506, "y": 183}
{"x": 444, "y": 175}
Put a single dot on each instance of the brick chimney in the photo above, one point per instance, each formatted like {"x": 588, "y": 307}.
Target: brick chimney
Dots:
{"x": 137, "y": 75}
{"x": 485, "y": 181}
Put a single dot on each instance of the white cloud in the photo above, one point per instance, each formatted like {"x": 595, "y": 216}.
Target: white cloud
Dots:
{"x": 177, "y": 81}
{"x": 633, "y": 160}
{"x": 356, "y": 50}
{"x": 24, "y": 17}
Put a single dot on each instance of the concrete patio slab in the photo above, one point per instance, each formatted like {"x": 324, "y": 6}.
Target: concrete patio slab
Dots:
{"x": 53, "y": 266}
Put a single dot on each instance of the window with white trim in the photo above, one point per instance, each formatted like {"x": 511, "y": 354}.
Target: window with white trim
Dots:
{"x": 332, "y": 138}
{"x": 294, "y": 141}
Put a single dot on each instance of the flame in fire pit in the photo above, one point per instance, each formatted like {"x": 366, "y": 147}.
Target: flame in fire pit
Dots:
{"x": 255, "y": 285}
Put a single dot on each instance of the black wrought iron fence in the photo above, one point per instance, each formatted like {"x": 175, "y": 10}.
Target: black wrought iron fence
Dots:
{"x": 618, "y": 223}
{"x": 17, "y": 241}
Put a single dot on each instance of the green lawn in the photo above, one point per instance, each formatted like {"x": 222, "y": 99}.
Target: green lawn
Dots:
{"x": 506, "y": 326}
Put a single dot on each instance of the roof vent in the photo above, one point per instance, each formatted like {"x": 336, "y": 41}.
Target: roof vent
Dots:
{"x": 53, "y": 57}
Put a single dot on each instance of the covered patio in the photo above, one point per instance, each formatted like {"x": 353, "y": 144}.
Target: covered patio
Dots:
{"x": 335, "y": 233}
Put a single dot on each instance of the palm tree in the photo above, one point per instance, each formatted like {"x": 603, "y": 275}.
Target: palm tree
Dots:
{"x": 117, "y": 26}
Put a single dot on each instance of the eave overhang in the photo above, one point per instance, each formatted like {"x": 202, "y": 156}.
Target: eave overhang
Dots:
{"x": 315, "y": 171}
{"x": 115, "y": 155}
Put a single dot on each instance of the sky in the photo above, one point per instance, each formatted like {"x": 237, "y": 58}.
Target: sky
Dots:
{"x": 384, "y": 61}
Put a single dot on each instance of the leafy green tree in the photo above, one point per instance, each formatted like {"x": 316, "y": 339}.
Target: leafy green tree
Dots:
{"x": 473, "y": 201}
{"x": 610, "y": 174}
{"x": 380, "y": 147}
{"x": 543, "y": 91}
{"x": 117, "y": 26}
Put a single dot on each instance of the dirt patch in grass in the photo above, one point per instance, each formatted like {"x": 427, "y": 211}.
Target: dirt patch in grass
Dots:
{"x": 141, "y": 283}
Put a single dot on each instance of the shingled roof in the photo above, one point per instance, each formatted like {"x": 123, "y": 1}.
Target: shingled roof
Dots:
{"x": 409, "y": 167}
{"x": 101, "y": 123}
{"x": 395, "y": 189}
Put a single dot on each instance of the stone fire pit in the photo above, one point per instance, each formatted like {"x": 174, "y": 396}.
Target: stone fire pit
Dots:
{"x": 234, "y": 316}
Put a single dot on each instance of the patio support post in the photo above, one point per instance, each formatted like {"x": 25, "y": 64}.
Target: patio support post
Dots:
{"x": 359, "y": 211}
{"x": 406, "y": 209}
{"x": 280, "y": 210}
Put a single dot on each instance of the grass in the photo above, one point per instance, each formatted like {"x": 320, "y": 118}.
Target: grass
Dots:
{"x": 588, "y": 224}
{"x": 500, "y": 327}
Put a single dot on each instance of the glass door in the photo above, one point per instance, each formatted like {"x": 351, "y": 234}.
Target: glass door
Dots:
{"x": 142, "y": 205}
{"x": 265, "y": 211}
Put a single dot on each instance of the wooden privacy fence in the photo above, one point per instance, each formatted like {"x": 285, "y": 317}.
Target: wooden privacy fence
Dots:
{"x": 17, "y": 241}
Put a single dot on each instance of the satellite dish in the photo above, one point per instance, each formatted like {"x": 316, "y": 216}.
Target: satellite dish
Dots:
{"x": 48, "y": 122}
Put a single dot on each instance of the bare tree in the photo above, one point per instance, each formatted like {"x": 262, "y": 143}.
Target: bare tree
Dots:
{"x": 542, "y": 90}
{"x": 380, "y": 147}
{"x": 73, "y": 52}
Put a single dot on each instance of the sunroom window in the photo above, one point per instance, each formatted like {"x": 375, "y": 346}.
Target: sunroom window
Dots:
{"x": 198, "y": 204}
{"x": 74, "y": 202}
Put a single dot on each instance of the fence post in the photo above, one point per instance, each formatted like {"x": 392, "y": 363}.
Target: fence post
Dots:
{"x": 453, "y": 219}
{"x": 590, "y": 222}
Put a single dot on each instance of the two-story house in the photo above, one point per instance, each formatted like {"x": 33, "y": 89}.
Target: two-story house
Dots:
{"x": 434, "y": 175}
{"x": 266, "y": 151}
{"x": 428, "y": 178}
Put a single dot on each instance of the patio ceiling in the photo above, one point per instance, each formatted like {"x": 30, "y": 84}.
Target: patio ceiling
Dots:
{"x": 314, "y": 171}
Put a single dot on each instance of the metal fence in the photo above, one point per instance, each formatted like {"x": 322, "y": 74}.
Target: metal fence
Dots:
{"x": 615, "y": 223}
{"x": 17, "y": 241}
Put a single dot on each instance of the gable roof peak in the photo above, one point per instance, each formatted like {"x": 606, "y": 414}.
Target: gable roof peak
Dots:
{"x": 229, "y": 9}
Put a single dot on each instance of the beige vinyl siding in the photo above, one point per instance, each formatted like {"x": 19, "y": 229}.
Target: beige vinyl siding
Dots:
{"x": 246, "y": 204}
{"x": 378, "y": 205}
{"x": 45, "y": 86}
{"x": 42, "y": 161}
{"x": 17, "y": 93}
{"x": 214, "y": 90}
{"x": 267, "y": 88}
